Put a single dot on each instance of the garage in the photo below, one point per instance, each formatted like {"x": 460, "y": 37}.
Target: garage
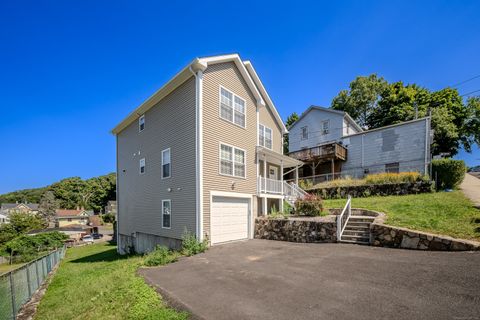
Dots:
{"x": 229, "y": 219}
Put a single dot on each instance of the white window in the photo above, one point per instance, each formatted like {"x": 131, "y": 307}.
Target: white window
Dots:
{"x": 265, "y": 136}
{"x": 232, "y": 161}
{"x": 166, "y": 167}
{"x": 232, "y": 107}
{"x": 304, "y": 133}
{"x": 325, "y": 127}
{"x": 166, "y": 214}
{"x": 141, "y": 123}
{"x": 142, "y": 166}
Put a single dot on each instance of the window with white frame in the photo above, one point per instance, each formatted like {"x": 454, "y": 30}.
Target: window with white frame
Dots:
{"x": 325, "y": 127}
{"x": 166, "y": 214}
{"x": 264, "y": 136}
{"x": 142, "y": 166}
{"x": 166, "y": 164}
{"x": 232, "y": 107}
{"x": 304, "y": 133}
{"x": 141, "y": 123}
{"x": 232, "y": 161}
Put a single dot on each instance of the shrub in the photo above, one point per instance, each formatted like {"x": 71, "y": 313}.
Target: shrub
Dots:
{"x": 108, "y": 218}
{"x": 305, "y": 184}
{"x": 383, "y": 178}
{"x": 160, "y": 256}
{"x": 448, "y": 173}
{"x": 191, "y": 246}
{"x": 311, "y": 206}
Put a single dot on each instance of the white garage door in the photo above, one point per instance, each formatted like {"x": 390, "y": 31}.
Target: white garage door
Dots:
{"x": 229, "y": 219}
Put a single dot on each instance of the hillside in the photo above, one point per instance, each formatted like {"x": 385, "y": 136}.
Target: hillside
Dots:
{"x": 25, "y": 195}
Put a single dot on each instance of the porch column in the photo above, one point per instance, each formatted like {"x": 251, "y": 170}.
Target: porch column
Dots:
{"x": 296, "y": 175}
{"x": 265, "y": 184}
{"x": 333, "y": 169}
{"x": 281, "y": 179}
{"x": 264, "y": 202}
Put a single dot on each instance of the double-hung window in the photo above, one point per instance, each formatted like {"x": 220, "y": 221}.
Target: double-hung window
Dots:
{"x": 325, "y": 127}
{"x": 141, "y": 123}
{"x": 264, "y": 136}
{"x": 232, "y": 107}
{"x": 166, "y": 161}
{"x": 232, "y": 161}
{"x": 304, "y": 133}
{"x": 166, "y": 214}
{"x": 142, "y": 166}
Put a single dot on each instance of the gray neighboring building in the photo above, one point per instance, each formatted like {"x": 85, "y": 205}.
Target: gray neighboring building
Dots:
{"x": 332, "y": 145}
{"x": 202, "y": 154}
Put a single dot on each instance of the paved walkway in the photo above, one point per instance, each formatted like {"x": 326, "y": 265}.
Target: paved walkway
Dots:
{"x": 471, "y": 187}
{"x": 274, "y": 280}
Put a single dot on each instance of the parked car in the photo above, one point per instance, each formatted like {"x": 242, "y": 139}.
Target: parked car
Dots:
{"x": 69, "y": 243}
{"x": 87, "y": 239}
{"x": 97, "y": 236}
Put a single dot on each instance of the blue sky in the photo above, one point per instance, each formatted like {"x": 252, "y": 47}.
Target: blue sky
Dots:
{"x": 71, "y": 70}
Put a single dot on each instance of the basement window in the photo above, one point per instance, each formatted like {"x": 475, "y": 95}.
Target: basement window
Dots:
{"x": 393, "y": 167}
{"x": 166, "y": 214}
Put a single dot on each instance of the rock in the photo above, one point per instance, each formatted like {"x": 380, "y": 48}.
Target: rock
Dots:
{"x": 459, "y": 246}
{"x": 409, "y": 242}
{"x": 388, "y": 238}
{"x": 429, "y": 237}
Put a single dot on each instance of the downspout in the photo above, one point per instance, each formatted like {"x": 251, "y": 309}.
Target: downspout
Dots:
{"x": 197, "y": 68}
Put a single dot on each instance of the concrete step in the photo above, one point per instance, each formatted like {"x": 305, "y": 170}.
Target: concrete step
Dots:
{"x": 365, "y": 227}
{"x": 358, "y": 224}
{"x": 361, "y": 218}
{"x": 365, "y": 239}
{"x": 361, "y": 233}
{"x": 356, "y": 242}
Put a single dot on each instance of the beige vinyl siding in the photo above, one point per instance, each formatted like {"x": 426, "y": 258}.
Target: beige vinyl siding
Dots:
{"x": 217, "y": 130}
{"x": 169, "y": 124}
{"x": 266, "y": 118}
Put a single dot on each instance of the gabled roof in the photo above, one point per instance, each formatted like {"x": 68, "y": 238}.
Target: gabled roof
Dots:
{"x": 343, "y": 113}
{"x": 62, "y": 213}
{"x": 187, "y": 72}
{"x": 9, "y": 206}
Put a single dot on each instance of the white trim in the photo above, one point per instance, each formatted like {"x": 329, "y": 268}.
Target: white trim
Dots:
{"x": 269, "y": 195}
{"x": 235, "y": 195}
{"x": 117, "y": 198}
{"x": 140, "y": 166}
{"x": 220, "y": 87}
{"x": 233, "y": 160}
{"x": 198, "y": 72}
{"x": 170, "y": 163}
{"x": 142, "y": 117}
{"x": 170, "y": 202}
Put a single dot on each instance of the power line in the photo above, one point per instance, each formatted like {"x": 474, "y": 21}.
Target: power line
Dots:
{"x": 465, "y": 81}
{"x": 466, "y": 94}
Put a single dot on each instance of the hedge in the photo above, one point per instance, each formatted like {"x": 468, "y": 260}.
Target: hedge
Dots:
{"x": 448, "y": 173}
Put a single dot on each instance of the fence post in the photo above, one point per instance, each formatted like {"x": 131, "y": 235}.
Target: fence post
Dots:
{"x": 36, "y": 270}
{"x": 28, "y": 281}
{"x": 12, "y": 289}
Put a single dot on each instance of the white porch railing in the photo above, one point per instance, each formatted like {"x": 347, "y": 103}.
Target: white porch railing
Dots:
{"x": 342, "y": 219}
{"x": 291, "y": 190}
{"x": 266, "y": 185}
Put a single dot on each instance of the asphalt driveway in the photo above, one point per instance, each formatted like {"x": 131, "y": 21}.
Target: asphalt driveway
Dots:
{"x": 261, "y": 279}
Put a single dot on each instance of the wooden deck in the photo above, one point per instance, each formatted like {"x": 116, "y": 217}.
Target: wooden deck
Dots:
{"x": 325, "y": 152}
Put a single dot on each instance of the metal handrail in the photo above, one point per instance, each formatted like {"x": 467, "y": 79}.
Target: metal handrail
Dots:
{"x": 342, "y": 219}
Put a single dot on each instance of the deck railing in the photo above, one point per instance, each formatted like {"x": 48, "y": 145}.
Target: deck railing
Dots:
{"x": 267, "y": 185}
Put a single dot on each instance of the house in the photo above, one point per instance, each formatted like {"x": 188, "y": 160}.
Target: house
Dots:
{"x": 66, "y": 217}
{"x": 8, "y": 208}
{"x": 204, "y": 154}
{"x": 111, "y": 207}
{"x": 74, "y": 231}
{"x": 333, "y": 145}
{"x": 4, "y": 219}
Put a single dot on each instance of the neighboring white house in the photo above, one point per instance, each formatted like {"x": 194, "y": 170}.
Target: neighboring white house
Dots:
{"x": 333, "y": 145}
{"x": 4, "y": 219}
{"x": 204, "y": 154}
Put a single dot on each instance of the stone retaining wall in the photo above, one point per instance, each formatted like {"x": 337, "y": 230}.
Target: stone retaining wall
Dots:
{"x": 374, "y": 190}
{"x": 382, "y": 235}
{"x": 297, "y": 229}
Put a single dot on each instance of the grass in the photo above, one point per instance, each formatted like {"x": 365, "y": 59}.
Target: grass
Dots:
{"x": 95, "y": 282}
{"x": 5, "y": 267}
{"x": 448, "y": 213}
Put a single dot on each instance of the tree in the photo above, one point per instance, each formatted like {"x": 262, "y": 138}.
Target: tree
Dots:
{"x": 20, "y": 223}
{"x": 290, "y": 120}
{"x": 361, "y": 98}
{"x": 47, "y": 206}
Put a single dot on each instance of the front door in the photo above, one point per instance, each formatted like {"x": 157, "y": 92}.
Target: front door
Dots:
{"x": 273, "y": 173}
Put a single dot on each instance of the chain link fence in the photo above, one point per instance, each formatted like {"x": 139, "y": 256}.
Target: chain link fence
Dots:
{"x": 17, "y": 286}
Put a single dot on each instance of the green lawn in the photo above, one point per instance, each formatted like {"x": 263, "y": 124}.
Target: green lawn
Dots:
{"x": 5, "y": 267}
{"x": 448, "y": 213}
{"x": 94, "y": 282}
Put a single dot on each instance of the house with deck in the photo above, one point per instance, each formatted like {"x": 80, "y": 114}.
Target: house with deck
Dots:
{"x": 66, "y": 217}
{"x": 333, "y": 145}
{"x": 203, "y": 154}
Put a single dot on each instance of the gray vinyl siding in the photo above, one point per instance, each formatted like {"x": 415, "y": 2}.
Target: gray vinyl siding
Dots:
{"x": 217, "y": 130}
{"x": 169, "y": 124}
{"x": 404, "y": 144}
{"x": 313, "y": 120}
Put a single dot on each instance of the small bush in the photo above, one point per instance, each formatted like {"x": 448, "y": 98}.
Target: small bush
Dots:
{"x": 191, "y": 246}
{"x": 160, "y": 256}
{"x": 305, "y": 184}
{"x": 383, "y": 178}
{"x": 448, "y": 173}
{"x": 310, "y": 206}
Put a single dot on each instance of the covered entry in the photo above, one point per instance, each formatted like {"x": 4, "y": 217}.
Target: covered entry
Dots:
{"x": 229, "y": 219}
